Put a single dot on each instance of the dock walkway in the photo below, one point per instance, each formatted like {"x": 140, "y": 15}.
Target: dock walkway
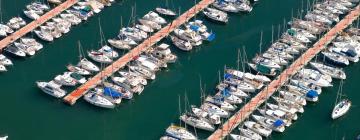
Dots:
{"x": 121, "y": 62}
{"x": 36, "y": 23}
{"x": 261, "y": 97}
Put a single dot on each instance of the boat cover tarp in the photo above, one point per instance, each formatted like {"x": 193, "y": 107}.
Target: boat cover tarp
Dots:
{"x": 227, "y": 76}
{"x": 211, "y": 37}
{"x": 111, "y": 92}
{"x": 225, "y": 93}
{"x": 278, "y": 123}
{"x": 194, "y": 27}
{"x": 312, "y": 94}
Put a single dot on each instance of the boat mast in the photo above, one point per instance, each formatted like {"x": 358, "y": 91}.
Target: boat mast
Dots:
{"x": 1, "y": 21}
{"x": 179, "y": 110}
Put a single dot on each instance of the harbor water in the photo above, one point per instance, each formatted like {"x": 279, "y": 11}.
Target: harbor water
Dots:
{"x": 28, "y": 113}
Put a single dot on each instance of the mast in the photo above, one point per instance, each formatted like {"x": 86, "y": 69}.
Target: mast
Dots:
{"x": 179, "y": 110}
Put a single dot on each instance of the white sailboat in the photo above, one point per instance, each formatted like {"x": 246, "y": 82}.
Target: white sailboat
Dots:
{"x": 342, "y": 106}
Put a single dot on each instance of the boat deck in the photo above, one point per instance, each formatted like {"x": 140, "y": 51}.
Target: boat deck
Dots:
{"x": 121, "y": 62}
{"x": 261, "y": 97}
{"x": 36, "y": 23}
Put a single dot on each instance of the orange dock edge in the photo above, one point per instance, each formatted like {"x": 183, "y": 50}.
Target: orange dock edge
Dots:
{"x": 262, "y": 96}
{"x": 121, "y": 62}
{"x": 36, "y": 23}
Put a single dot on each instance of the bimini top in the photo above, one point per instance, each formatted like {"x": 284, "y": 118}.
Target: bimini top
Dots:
{"x": 312, "y": 94}
{"x": 278, "y": 123}
{"x": 111, "y": 92}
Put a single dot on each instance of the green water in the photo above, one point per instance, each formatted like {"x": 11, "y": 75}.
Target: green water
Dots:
{"x": 27, "y": 113}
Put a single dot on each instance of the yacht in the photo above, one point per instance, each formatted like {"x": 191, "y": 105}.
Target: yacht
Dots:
{"x": 74, "y": 20}
{"x": 165, "y": 11}
{"x": 109, "y": 52}
{"x": 5, "y": 61}
{"x": 25, "y": 48}
{"x": 315, "y": 77}
{"x": 257, "y": 128}
{"x": 232, "y": 89}
{"x": 306, "y": 85}
{"x": 181, "y": 44}
{"x": 278, "y": 115}
{"x": 220, "y": 101}
{"x": 100, "y": 57}
{"x": 150, "y": 23}
{"x": 110, "y": 94}
{"x": 263, "y": 70}
{"x": 97, "y": 100}
{"x": 348, "y": 53}
{"x": 275, "y": 58}
{"x": 51, "y": 88}
{"x": 329, "y": 70}
{"x": 283, "y": 102}
{"x": 152, "y": 16}
{"x": 216, "y": 15}
{"x": 44, "y": 35}
{"x": 144, "y": 28}
{"x": 119, "y": 44}
{"x": 211, "y": 118}
{"x": 142, "y": 72}
{"x": 196, "y": 122}
{"x": 232, "y": 99}
{"x": 163, "y": 52}
{"x": 189, "y": 35}
{"x": 78, "y": 70}
{"x": 280, "y": 53}
{"x": 239, "y": 74}
{"x": 276, "y": 125}
{"x": 126, "y": 93}
{"x": 213, "y": 109}
{"x": 6, "y": 28}
{"x": 224, "y": 6}
{"x": 77, "y": 77}
{"x": 137, "y": 79}
{"x": 179, "y": 133}
{"x": 250, "y": 134}
{"x": 238, "y": 137}
{"x": 282, "y": 107}
{"x": 65, "y": 80}
{"x": 31, "y": 14}
{"x": 87, "y": 65}
{"x": 12, "y": 49}
{"x": 31, "y": 42}
{"x": 293, "y": 97}
{"x": 310, "y": 95}
{"x": 266, "y": 62}
{"x": 341, "y": 108}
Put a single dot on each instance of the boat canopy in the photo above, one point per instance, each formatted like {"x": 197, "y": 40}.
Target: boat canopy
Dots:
{"x": 211, "y": 37}
{"x": 194, "y": 28}
{"x": 163, "y": 46}
{"x": 312, "y": 94}
{"x": 278, "y": 123}
{"x": 111, "y": 92}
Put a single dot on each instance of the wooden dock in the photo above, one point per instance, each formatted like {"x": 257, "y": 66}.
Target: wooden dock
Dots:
{"x": 261, "y": 97}
{"x": 36, "y": 23}
{"x": 121, "y": 62}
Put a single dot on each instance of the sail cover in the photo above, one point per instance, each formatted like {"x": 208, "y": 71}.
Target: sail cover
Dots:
{"x": 278, "y": 123}
{"x": 111, "y": 92}
{"x": 311, "y": 94}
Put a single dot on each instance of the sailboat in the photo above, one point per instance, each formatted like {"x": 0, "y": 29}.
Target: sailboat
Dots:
{"x": 342, "y": 106}
{"x": 166, "y": 11}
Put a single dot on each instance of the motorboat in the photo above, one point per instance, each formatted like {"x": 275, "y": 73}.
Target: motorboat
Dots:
{"x": 143, "y": 72}
{"x": 152, "y": 16}
{"x": 74, "y": 20}
{"x": 329, "y": 70}
{"x": 276, "y": 125}
{"x": 25, "y": 48}
{"x": 347, "y": 52}
{"x": 51, "y": 88}
{"x": 216, "y": 15}
{"x": 31, "y": 42}
{"x": 65, "y": 80}
{"x": 126, "y": 93}
{"x": 263, "y": 70}
{"x": 179, "y": 133}
{"x": 282, "y": 107}
{"x": 250, "y": 134}
{"x": 287, "y": 95}
{"x": 224, "y": 6}
{"x": 75, "y": 76}
{"x": 6, "y": 28}
{"x": 109, "y": 52}
{"x": 144, "y": 28}
{"x": 257, "y": 128}
{"x": 314, "y": 77}
{"x": 100, "y": 57}
{"x": 31, "y": 14}
{"x": 211, "y": 118}
{"x": 181, "y": 44}
{"x": 266, "y": 62}
{"x": 87, "y": 65}
{"x": 213, "y": 109}
{"x": 119, "y": 44}
{"x": 238, "y": 137}
{"x": 163, "y": 52}
{"x": 189, "y": 35}
{"x": 97, "y": 100}
{"x": 133, "y": 78}
{"x": 78, "y": 70}
{"x": 12, "y": 49}
{"x": 283, "y": 102}
{"x": 196, "y": 122}
{"x": 165, "y": 11}
{"x": 5, "y": 61}
{"x": 278, "y": 115}
{"x": 44, "y": 35}
{"x": 150, "y": 23}
{"x": 220, "y": 101}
